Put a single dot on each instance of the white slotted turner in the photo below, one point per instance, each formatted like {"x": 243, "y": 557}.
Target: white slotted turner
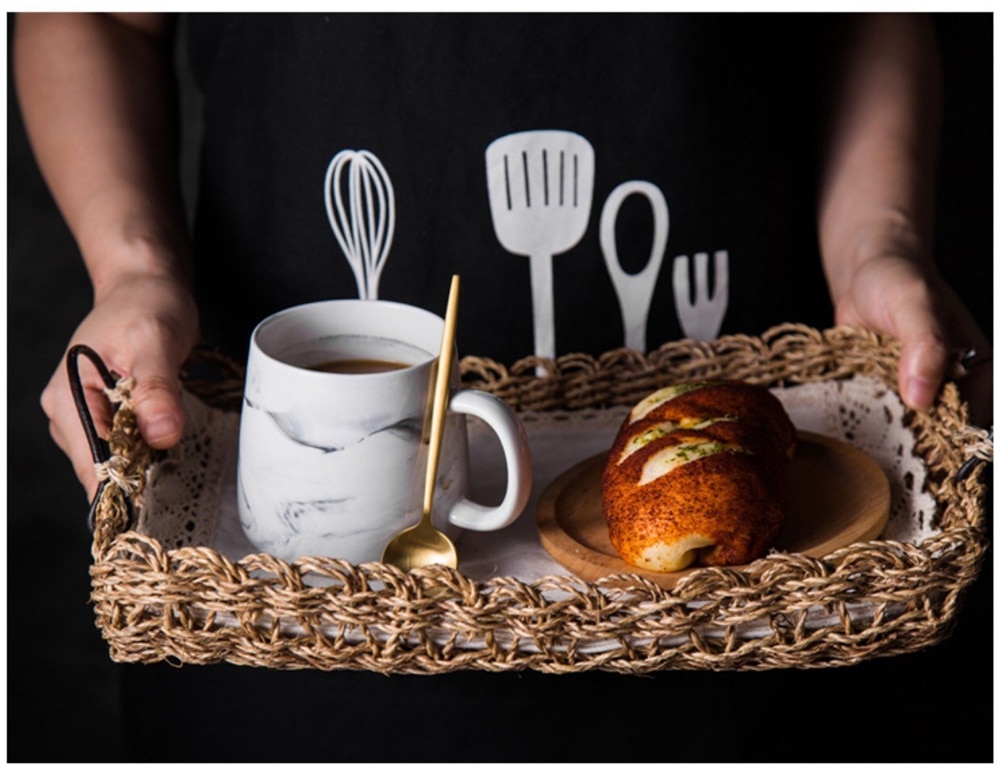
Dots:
{"x": 541, "y": 185}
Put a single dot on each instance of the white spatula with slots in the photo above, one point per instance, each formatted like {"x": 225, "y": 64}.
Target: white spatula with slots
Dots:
{"x": 541, "y": 185}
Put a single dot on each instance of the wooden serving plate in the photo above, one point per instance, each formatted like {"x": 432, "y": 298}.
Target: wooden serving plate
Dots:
{"x": 837, "y": 495}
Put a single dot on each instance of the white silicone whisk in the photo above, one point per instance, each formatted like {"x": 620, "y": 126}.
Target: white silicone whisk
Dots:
{"x": 361, "y": 207}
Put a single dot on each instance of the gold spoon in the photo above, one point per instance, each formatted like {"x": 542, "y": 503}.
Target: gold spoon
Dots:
{"x": 423, "y": 544}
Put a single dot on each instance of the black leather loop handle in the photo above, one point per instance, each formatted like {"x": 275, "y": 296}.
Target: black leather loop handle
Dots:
{"x": 99, "y": 449}
{"x": 966, "y": 468}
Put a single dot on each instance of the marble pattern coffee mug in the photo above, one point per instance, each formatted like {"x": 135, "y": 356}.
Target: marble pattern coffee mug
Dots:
{"x": 332, "y": 463}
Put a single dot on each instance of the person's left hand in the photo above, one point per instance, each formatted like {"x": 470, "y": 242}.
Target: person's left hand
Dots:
{"x": 897, "y": 296}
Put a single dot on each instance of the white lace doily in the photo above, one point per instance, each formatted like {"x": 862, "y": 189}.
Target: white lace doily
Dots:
{"x": 191, "y": 494}
{"x": 185, "y": 491}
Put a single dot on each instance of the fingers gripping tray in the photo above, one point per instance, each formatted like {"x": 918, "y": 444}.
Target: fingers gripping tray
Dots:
{"x": 173, "y": 578}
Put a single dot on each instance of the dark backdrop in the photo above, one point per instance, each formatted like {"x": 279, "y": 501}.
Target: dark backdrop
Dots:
{"x": 68, "y": 702}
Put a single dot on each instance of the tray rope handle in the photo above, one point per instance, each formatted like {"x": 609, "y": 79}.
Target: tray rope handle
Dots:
{"x": 976, "y": 442}
{"x": 105, "y": 463}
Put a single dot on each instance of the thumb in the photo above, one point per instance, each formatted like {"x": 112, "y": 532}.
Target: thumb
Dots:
{"x": 923, "y": 354}
{"x": 156, "y": 398}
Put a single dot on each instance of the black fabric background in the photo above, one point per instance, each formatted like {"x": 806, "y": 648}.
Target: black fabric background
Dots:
{"x": 717, "y": 111}
{"x": 66, "y": 701}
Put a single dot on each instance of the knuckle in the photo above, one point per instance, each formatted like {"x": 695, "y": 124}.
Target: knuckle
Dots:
{"x": 48, "y": 400}
{"x": 167, "y": 335}
{"x": 89, "y": 481}
{"x": 917, "y": 291}
{"x": 153, "y": 387}
{"x": 932, "y": 348}
{"x": 55, "y": 432}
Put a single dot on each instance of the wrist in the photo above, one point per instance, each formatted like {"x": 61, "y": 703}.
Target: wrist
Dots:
{"x": 137, "y": 248}
{"x": 891, "y": 236}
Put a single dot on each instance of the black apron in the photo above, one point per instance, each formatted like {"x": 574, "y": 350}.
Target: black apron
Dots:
{"x": 717, "y": 112}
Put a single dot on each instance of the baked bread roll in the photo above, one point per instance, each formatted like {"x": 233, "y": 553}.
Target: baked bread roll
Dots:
{"x": 697, "y": 473}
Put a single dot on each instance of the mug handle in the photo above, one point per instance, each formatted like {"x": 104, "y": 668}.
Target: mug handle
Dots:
{"x": 514, "y": 441}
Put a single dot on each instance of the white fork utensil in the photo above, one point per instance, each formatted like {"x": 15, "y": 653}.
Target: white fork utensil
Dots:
{"x": 635, "y": 291}
{"x": 361, "y": 207}
{"x": 541, "y": 186}
{"x": 701, "y": 315}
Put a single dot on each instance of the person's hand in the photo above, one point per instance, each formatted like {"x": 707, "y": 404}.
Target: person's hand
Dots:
{"x": 896, "y": 296}
{"x": 143, "y": 327}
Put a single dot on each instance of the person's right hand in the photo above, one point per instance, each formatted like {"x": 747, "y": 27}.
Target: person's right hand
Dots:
{"x": 144, "y": 326}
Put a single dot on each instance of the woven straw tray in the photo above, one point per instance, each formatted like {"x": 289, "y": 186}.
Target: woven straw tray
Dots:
{"x": 156, "y": 600}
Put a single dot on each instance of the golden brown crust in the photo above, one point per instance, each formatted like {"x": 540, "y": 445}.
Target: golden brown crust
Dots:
{"x": 724, "y": 447}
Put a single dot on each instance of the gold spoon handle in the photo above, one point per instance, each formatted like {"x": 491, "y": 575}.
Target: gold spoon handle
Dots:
{"x": 440, "y": 403}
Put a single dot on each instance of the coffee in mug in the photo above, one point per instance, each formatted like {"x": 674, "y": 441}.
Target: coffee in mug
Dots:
{"x": 360, "y": 366}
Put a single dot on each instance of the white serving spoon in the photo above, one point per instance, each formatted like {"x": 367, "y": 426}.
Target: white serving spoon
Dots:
{"x": 635, "y": 291}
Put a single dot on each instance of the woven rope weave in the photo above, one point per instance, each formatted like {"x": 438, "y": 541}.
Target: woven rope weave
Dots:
{"x": 192, "y": 605}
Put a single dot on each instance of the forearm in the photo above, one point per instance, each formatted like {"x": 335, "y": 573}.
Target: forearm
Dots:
{"x": 97, "y": 98}
{"x": 877, "y": 197}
